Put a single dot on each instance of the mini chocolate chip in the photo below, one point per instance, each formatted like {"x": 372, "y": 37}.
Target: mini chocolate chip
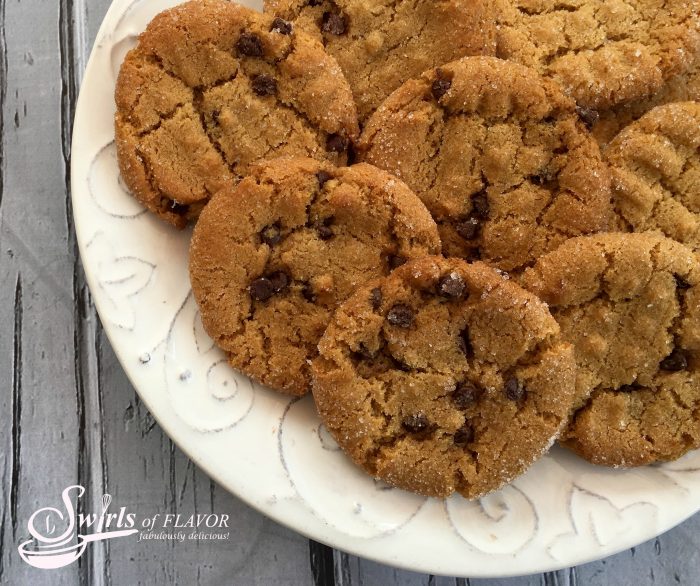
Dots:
{"x": 324, "y": 232}
{"x": 675, "y": 361}
{"x": 250, "y": 45}
{"x": 464, "y": 435}
{"x": 271, "y": 235}
{"x": 514, "y": 389}
{"x": 307, "y": 292}
{"x": 264, "y": 85}
{"x": 452, "y": 286}
{"x": 261, "y": 289}
{"x": 395, "y": 261}
{"x": 178, "y": 208}
{"x": 314, "y": 2}
{"x": 333, "y": 23}
{"x": 375, "y": 298}
{"x": 469, "y": 229}
{"x": 466, "y": 394}
{"x": 588, "y": 116}
{"x": 681, "y": 283}
{"x": 280, "y": 280}
{"x": 323, "y": 177}
{"x": 417, "y": 423}
{"x": 401, "y": 316}
{"x": 480, "y": 205}
{"x": 440, "y": 86}
{"x": 465, "y": 344}
{"x": 473, "y": 254}
{"x": 281, "y": 26}
{"x": 630, "y": 388}
{"x": 337, "y": 143}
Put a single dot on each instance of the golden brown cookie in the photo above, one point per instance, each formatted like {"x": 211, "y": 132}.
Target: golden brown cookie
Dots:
{"x": 381, "y": 44}
{"x": 271, "y": 258}
{"x": 681, "y": 88}
{"x": 213, "y": 87}
{"x": 444, "y": 377}
{"x": 499, "y": 157}
{"x": 630, "y": 305}
{"x": 655, "y": 167}
{"x": 603, "y": 52}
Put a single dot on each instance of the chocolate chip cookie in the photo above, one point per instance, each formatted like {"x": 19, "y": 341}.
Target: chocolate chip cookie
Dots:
{"x": 603, "y": 52}
{"x": 381, "y": 44}
{"x": 271, "y": 258}
{"x": 681, "y": 88}
{"x": 498, "y": 155}
{"x": 444, "y": 377}
{"x": 630, "y": 305}
{"x": 655, "y": 166}
{"x": 213, "y": 87}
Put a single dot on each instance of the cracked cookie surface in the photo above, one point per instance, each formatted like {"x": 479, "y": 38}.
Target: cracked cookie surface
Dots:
{"x": 213, "y": 87}
{"x": 630, "y": 305}
{"x": 655, "y": 167}
{"x": 381, "y": 44}
{"x": 444, "y": 377}
{"x": 498, "y": 155}
{"x": 681, "y": 88}
{"x": 603, "y": 52}
{"x": 271, "y": 258}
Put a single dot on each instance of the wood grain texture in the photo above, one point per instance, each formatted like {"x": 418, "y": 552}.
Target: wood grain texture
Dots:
{"x": 68, "y": 415}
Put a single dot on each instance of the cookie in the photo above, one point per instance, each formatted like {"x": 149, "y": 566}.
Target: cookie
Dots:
{"x": 499, "y": 157}
{"x": 213, "y": 87}
{"x": 655, "y": 167}
{"x": 681, "y": 88}
{"x": 379, "y": 45}
{"x": 271, "y": 258}
{"x": 444, "y": 377}
{"x": 603, "y": 52}
{"x": 630, "y": 305}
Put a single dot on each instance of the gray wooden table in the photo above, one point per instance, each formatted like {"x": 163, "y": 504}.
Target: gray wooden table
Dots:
{"x": 68, "y": 415}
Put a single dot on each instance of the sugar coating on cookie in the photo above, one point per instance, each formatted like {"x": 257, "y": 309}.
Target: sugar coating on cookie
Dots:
{"x": 630, "y": 305}
{"x": 444, "y": 377}
{"x": 655, "y": 167}
{"x": 381, "y": 44}
{"x": 213, "y": 87}
{"x": 498, "y": 155}
{"x": 271, "y": 258}
{"x": 681, "y": 88}
{"x": 603, "y": 52}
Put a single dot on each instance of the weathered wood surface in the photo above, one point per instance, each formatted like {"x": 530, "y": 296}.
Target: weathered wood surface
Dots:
{"x": 68, "y": 415}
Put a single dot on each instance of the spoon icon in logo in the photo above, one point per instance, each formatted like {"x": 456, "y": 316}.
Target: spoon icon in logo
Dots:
{"x": 57, "y": 552}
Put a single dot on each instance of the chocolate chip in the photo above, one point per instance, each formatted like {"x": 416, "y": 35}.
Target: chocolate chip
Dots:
{"x": 281, "y": 26}
{"x": 681, "y": 283}
{"x": 280, "y": 280}
{"x": 401, "y": 316}
{"x": 261, "y": 289}
{"x": 395, "y": 261}
{"x": 307, "y": 292}
{"x": 469, "y": 229}
{"x": 337, "y": 143}
{"x": 323, "y": 229}
{"x": 452, "y": 286}
{"x": 480, "y": 205}
{"x": 375, "y": 298}
{"x": 466, "y": 394}
{"x": 333, "y": 23}
{"x": 440, "y": 87}
{"x": 264, "y": 85}
{"x": 588, "y": 116}
{"x": 464, "y": 435}
{"x": 271, "y": 235}
{"x": 473, "y": 254}
{"x": 314, "y": 2}
{"x": 323, "y": 177}
{"x": 630, "y": 388}
{"x": 250, "y": 45}
{"x": 465, "y": 344}
{"x": 514, "y": 389}
{"x": 178, "y": 208}
{"x": 417, "y": 423}
{"x": 675, "y": 361}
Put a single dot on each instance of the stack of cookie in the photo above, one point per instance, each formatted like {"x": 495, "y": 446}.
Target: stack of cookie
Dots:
{"x": 470, "y": 227}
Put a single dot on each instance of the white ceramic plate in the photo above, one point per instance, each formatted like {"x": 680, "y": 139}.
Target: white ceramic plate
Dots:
{"x": 273, "y": 452}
